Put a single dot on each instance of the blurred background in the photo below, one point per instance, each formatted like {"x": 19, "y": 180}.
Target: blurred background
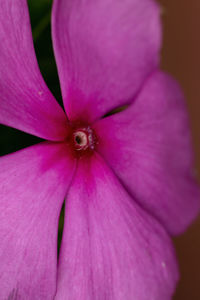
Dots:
{"x": 180, "y": 57}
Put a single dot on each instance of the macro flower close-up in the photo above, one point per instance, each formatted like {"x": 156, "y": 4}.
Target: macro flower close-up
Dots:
{"x": 118, "y": 155}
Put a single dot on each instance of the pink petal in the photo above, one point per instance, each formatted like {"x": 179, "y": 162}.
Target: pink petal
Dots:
{"x": 149, "y": 148}
{"x": 104, "y": 50}
{"x": 111, "y": 248}
{"x": 25, "y": 101}
{"x": 33, "y": 184}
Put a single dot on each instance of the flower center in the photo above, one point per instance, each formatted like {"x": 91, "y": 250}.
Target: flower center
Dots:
{"x": 83, "y": 138}
{"x": 81, "y": 141}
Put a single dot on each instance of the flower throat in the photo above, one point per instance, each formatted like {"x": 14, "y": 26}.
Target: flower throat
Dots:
{"x": 82, "y": 139}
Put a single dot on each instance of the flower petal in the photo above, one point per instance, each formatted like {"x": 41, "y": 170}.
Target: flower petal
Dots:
{"x": 111, "y": 248}
{"x": 149, "y": 148}
{"x": 33, "y": 184}
{"x": 104, "y": 49}
{"x": 25, "y": 101}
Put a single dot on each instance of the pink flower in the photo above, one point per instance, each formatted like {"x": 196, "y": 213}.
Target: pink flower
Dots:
{"x": 126, "y": 178}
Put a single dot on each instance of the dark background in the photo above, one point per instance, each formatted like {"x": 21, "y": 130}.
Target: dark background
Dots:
{"x": 180, "y": 57}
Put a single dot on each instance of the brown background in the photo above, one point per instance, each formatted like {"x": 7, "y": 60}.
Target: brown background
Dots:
{"x": 181, "y": 57}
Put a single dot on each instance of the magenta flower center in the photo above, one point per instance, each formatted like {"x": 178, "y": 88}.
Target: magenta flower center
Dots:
{"x": 82, "y": 139}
